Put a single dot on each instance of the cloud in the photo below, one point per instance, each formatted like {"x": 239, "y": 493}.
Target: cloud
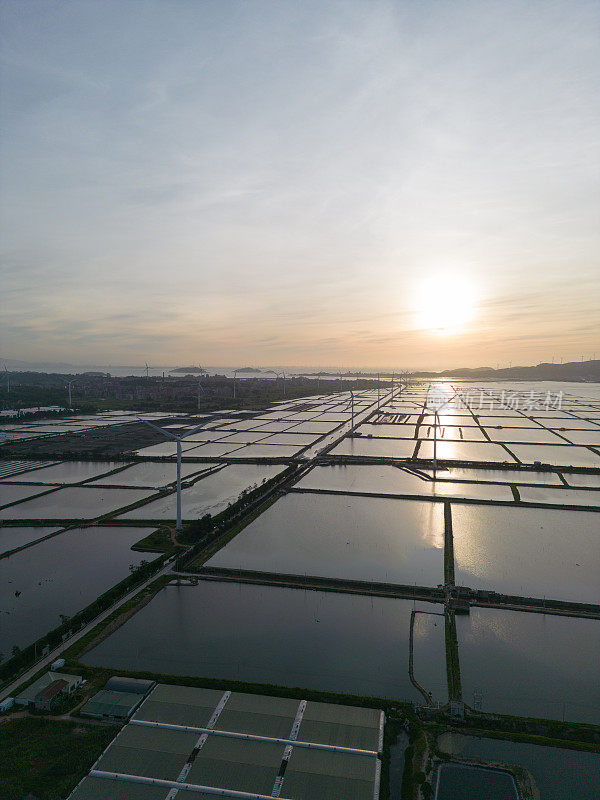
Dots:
{"x": 195, "y": 179}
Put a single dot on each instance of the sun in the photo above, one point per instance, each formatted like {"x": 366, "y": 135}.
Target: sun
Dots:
{"x": 445, "y": 303}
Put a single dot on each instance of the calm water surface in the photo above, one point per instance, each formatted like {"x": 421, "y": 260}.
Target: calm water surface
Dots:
{"x": 61, "y": 575}
{"x": 69, "y": 472}
{"x": 316, "y": 640}
{"x": 533, "y": 552}
{"x": 209, "y": 495}
{"x": 537, "y": 665}
{"x": 75, "y": 502}
{"x": 17, "y": 536}
{"x": 337, "y": 536}
{"x": 560, "y": 774}
{"x": 461, "y": 782}
{"x": 384, "y": 478}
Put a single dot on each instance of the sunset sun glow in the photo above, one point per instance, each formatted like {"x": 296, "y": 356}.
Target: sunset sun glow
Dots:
{"x": 445, "y": 304}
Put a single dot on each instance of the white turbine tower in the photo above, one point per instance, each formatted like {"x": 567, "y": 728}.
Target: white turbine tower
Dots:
{"x": 437, "y": 399}
{"x": 7, "y": 374}
{"x": 69, "y": 384}
{"x": 351, "y": 405}
{"x": 277, "y": 376}
{"x": 177, "y": 439}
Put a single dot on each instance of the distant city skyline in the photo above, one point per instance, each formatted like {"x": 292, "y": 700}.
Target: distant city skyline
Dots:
{"x": 350, "y": 182}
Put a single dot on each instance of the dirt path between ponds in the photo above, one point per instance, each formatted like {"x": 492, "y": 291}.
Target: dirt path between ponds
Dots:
{"x": 116, "y": 623}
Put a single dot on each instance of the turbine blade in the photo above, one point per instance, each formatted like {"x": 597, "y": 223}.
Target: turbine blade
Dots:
{"x": 197, "y": 428}
{"x": 168, "y": 434}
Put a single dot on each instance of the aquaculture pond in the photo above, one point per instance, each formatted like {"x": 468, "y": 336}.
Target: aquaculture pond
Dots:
{"x": 339, "y": 536}
{"x": 13, "y": 536}
{"x": 209, "y": 495}
{"x": 499, "y": 475}
{"x": 559, "y": 774}
{"x": 13, "y": 493}
{"x": 560, "y": 455}
{"x": 387, "y": 448}
{"x": 290, "y": 637}
{"x": 465, "y": 782}
{"x": 75, "y": 502}
{"x": 387, "y": 479}
{"x": 68, "y": 472}
{"x": 61, "y": 575}
{"x": 535, "y": 665}
{"x": 151, "y": 474}
{"x": 533, "y": 552}
{"x": 464, "y": 451}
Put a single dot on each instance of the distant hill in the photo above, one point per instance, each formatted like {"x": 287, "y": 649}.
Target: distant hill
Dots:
{"x": 571, "y": 371}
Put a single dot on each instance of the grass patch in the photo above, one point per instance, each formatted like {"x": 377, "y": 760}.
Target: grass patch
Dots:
{"x": 73, "y": 652}
{"x": 452, "y": 658}
{"x": 156, "y": 542}
{"x": 448, "y": 545}
{"x": 532, "y": 738}
{"x": 48, "y": 758}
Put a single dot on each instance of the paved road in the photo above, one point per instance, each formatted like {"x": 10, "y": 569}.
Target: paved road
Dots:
{"x": 309, "y": 456}
{"x": 11, "y": 688}
{"x": 339, "y": 433}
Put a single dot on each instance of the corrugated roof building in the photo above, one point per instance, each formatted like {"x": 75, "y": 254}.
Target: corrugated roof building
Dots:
{"x": 28, "y": 696}
{"x": 119, "y": 698}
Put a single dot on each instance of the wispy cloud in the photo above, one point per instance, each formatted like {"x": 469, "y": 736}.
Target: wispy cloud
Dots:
{"x": 212, "y": 180}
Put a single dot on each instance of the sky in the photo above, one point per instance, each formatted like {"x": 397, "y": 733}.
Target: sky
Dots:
{"x": 358, "y": 183}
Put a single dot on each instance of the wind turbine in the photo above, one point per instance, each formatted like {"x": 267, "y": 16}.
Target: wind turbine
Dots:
{"x": 436, "y": 400}
{"x": 147, "y": 368}
{"x": 177, "y": 439}
{"x": 235, "y": 372}
{"x": 200, "y": 389}
{"x": 69, "y": 384}
{"x": 7, "y": 373}
{"x": 278, "y": 375}
{"x": 351, "y": 404}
